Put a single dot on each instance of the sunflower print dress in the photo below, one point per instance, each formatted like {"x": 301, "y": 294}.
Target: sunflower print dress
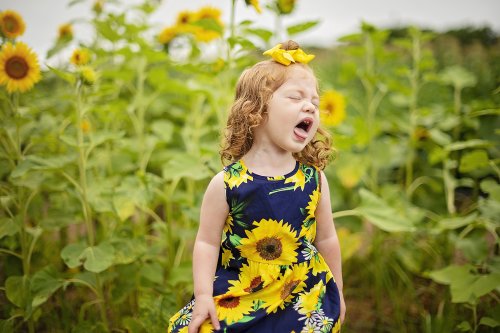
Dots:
{"x": 270, "y": 277}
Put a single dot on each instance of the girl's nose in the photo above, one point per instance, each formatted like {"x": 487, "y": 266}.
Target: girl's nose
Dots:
{"x": 309, "y": 107}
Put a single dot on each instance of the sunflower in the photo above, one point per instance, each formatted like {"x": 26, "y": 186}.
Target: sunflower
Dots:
{"x": 332, "y": 107}
{"x": 254, "y": 277}
{"x": 80, "y": 57}
{"x": 310, "y": 300}
{"x": 205, "y": 35}
{"x": 184, "y": 17}
{"x": 87, "y": 75}
{"x": 271, "y": 242}
{"x": 309, "y": 227}
{"x": 255, "y": 4}
{"x": 336, "y": 328}
{"x": 167, "y": 34}
{"x": 19, "y": 68}
{"x": 226, "y": 256}
{"x": 299, "y": 178}
{"x": 66, "y": 31}
{"x": 209, "y": 13}
{"x": 85, "y": 126}
{"x": 206, "y": 327}
{"x": 11, "y": 24}
{"x": 280, "y": 293}
{"x": 285, "y": 6}
{"x": 233, "y": 306}
{"x": 228, "y": 226}
{"x": 236, "y": 175}
{"x": 318, "y": 265}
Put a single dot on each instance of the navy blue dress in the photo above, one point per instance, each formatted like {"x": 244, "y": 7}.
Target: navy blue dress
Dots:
{"x": 270, "y": 277}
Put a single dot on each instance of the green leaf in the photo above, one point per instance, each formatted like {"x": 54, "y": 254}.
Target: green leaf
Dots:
{"x": 71, "y": 254}
{"x": 16, "y": 289}
{"x": 492, "y": 188}
{"x": 163, "y": 129}
{"x": 467, "y": 144}
{"x": 245, "y": 319}
{"x": 263, "y": 34}
{"x": 185, "y": 165}
{"x": 490, "y": 322}
{"x": 301, "y": 27}
{"x": 456, "y": 222}
{"x": 458, "y": 76}
{"x": 473, "y": 160}
{"x": 6, "y": 326}
{"x": 66, "y": 76}
{"x": 464, "y": 326}
{"x": 153, "y": 272}
{"x": 98, "y": 258}
{"x": 43, "y": 284}
{"x": 235, "y": 240}
{"x": 379, "y": 213}
{"x": 8, "y": 227}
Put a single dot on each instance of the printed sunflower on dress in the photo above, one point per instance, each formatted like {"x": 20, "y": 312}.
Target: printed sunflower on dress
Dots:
{"x": 254, "y": 277}
{"x": 236, "y": 175}
{"x": 233, "y": 306}
{"x": 309, "y": 225}
{"x": 283, "y": 291}
{"x": 271, "y": 242}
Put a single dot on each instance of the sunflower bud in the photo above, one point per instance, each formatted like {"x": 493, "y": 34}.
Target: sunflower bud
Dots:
{"x": 87, "y": 75}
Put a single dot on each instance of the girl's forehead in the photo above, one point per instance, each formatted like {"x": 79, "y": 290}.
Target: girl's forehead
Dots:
{"x": 298, "y": 75}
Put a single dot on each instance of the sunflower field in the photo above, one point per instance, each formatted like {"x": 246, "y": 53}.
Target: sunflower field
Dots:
{"x": 104, "y": 160}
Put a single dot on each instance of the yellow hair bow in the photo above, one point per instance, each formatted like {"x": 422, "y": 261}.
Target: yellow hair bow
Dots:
{"x": 287, "y": 57}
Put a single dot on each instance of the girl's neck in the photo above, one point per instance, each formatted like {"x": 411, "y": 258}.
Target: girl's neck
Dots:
{"x": 267, "y": 162}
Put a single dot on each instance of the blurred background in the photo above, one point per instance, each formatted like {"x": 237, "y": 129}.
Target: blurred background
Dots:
{"x": 112, "y": 113}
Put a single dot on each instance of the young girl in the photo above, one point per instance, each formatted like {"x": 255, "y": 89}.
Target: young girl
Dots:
{"x": 277, "y": 266}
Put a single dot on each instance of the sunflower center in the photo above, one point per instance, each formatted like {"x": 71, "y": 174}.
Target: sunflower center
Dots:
{"x": 16, "y": 67}
{"x": 269, "y": 248}
{"x": 229, "y": 302}
{"x": 288, "y": 289}
{"x": 254, "y": 285}
{"x": 11, "y": 24}
{"x": 330, "y": 107}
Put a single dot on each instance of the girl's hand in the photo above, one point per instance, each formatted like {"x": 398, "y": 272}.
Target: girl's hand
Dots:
{"x": 204, "y": 308}
{"x": 342, "y": 307}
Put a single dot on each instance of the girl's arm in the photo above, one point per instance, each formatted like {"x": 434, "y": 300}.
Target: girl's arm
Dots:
{"x": 327, "y": 241}
{"x": 214, "y": 211}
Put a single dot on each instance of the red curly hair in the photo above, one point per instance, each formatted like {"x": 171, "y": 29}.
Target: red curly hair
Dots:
{"x": 254, "y": 89}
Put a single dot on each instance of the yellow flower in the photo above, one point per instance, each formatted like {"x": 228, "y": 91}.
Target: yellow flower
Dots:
{"x": 19, "y": 69}
{"x": 285, "y": 6}
{"x": 318, "y": 265}
{"x": 226, "y": 256}
{"x": 11, "y": 24}
{"x": 299, "y": 178}
{"x": 88, "y": 75}
{"x": 206, "y": 327}
{"x": 167, "y": 34}
{"x": 228, "y": 226}
{"x": 80, "y": 57}
{"x": 205, "y": 35}
{"x": 233, "y": 306}
{"x": 271, "y": 242}
{"x": 66, "y": 31}
{"x": 255, "y": 4}
{"x": 309, "y": 227}
{"x": 85, "y": 125}
{"x": 285, "y": 57}
{"x": 210, "y": 13}
{"x": 254, "y": 277}
{"x": 308, "y": 301}
{"x": 97, "y": 7}
{"x": 336, "y": 328}
{"x": 184, "y": 17}
{"x": 236, "y": 175}
{"x": 332, "y": 108}
{"x": 283, "y": 291}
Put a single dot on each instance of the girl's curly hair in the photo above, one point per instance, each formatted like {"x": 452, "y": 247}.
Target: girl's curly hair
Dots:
{"x": 253, "y": 92}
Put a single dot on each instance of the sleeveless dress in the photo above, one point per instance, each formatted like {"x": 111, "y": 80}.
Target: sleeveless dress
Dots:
{"x": 270, "y": 277}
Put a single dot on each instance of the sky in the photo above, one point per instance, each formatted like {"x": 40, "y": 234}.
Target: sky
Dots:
{"x": 336, "y": 17}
